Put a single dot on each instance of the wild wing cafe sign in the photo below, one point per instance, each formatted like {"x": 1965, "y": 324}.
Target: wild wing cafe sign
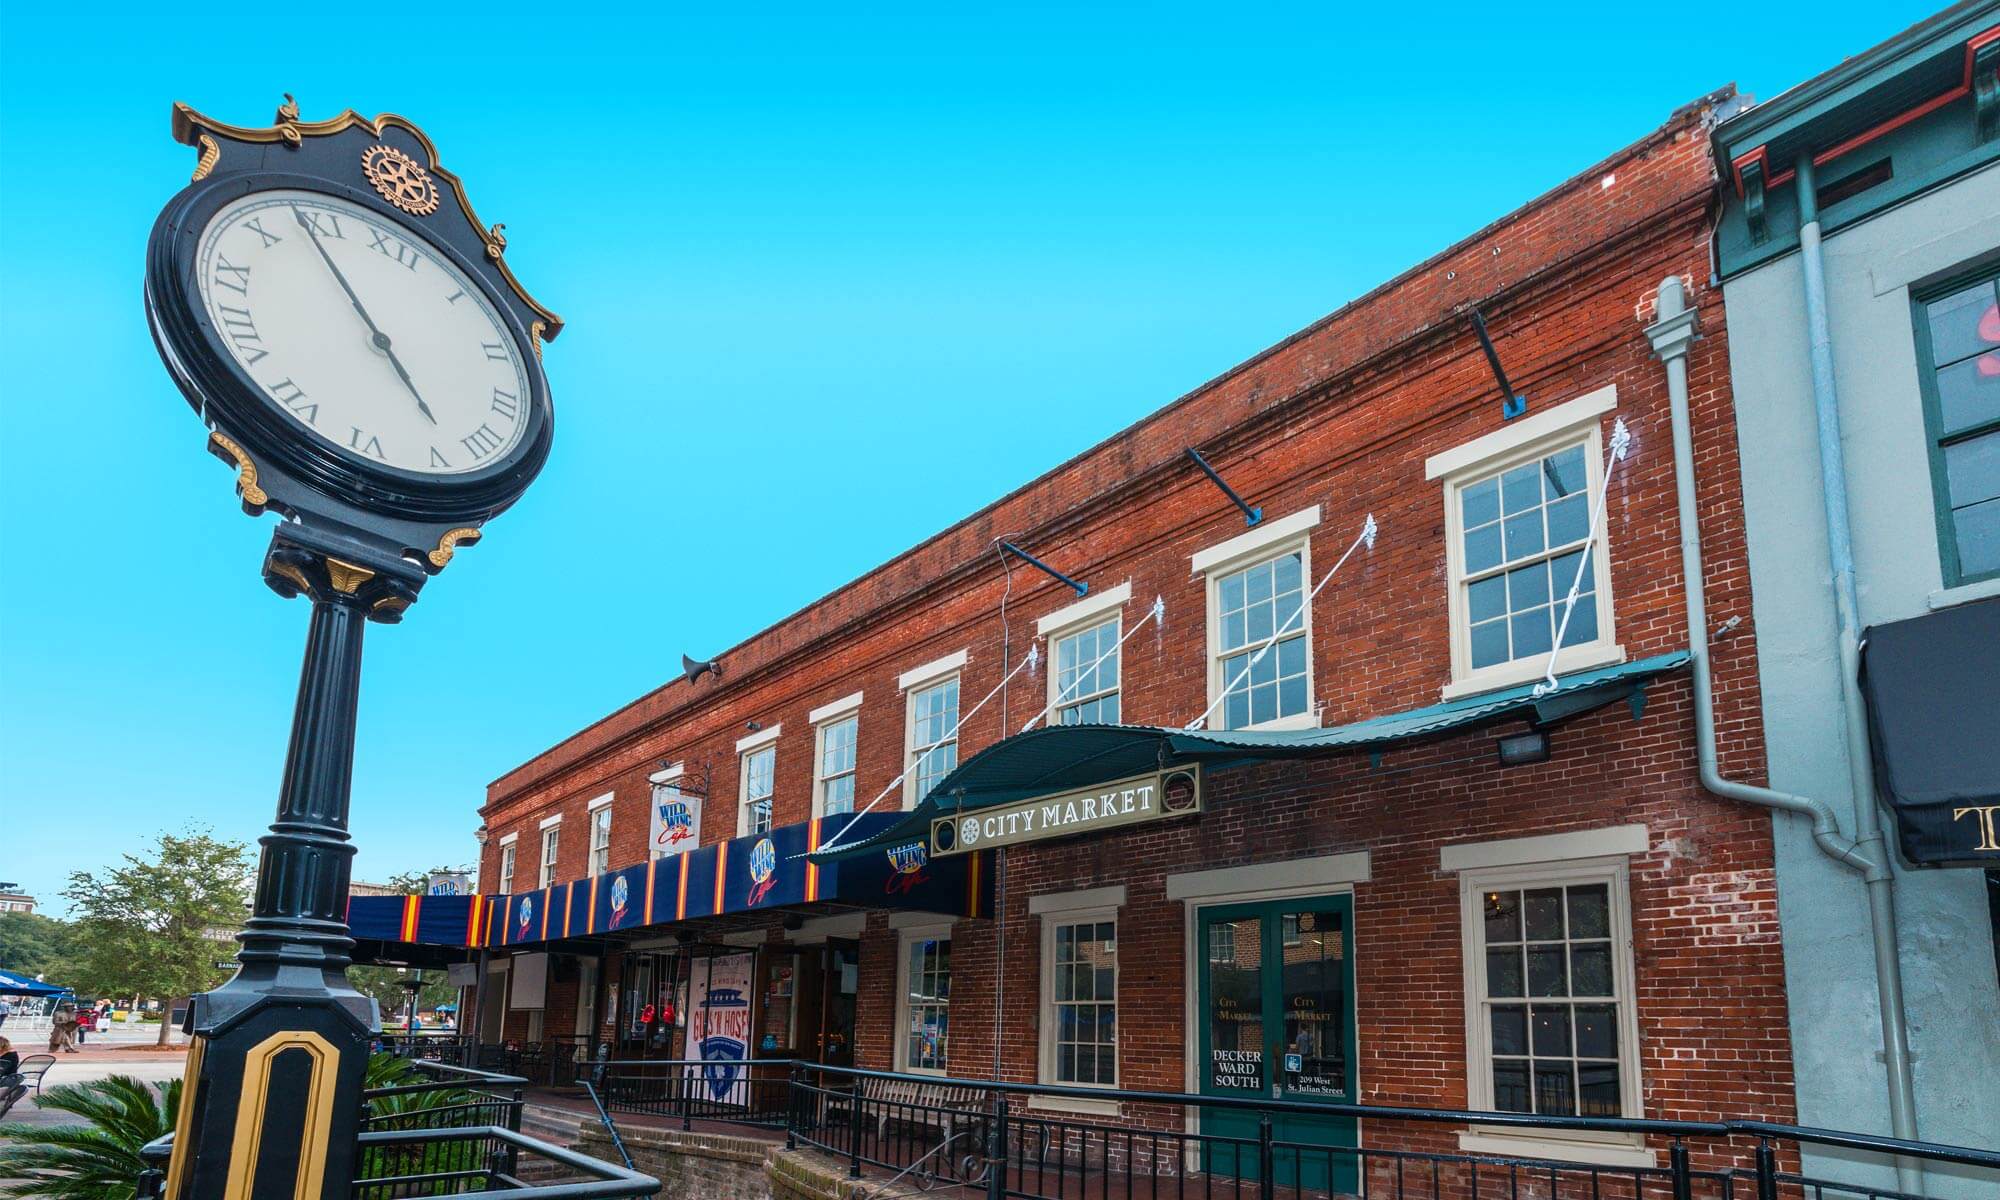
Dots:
{"x": 1108, "y": 806}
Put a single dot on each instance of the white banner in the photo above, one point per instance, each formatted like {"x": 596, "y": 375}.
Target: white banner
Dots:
{"x": 719, "y": 1028}
{"x": 676, "y": 821}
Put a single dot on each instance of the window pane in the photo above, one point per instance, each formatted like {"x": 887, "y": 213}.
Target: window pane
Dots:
{"x": 1544, "y": 913}
{"x": 1548, "y": 974}
{"x": 1510, "y": 1029}
{"x": 1589, "y": 912}
{"x": 1510, "y": 1087}
{"x": 1503, "y": 916}
{"x": 1550, "y": 1026}
{"x": 1569, "y": 520}
{"x": 1563, "y": 567}
{"x": 1599, "y": 1089}
{"x": 1503, "y": 972}
{"x": 1286, "y": 571}
{"x": 1489, "y": 643}
{"x": 1963, "y": 323}
{"x": 1969, "y": 393}
{"x": 1596, "y": 1031}
{"x": 1582, "y": 626}
{"x": 1528, "y": 586}
{"x": 1482, "y": 548}
{"x": 1479, "y": 504}
{"x": 1524, "y": 535}
{"x": 1555, "y": 1090}
{"x": 1486, "y": 599}
{"x": 1564, "y": 473}
{"x": 1531, "y": 633}
{"x": 1972, "y": 469}
{"x": 1590, "y": 963}
{"x": 1521, "y": 488}
{"x": 1978, "y": 530}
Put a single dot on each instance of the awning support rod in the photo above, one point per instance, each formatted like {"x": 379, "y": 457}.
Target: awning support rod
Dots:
{"x": 1157, "y": 611}
{"x": 1621, "y": 440}
{"x": 1046, "y": 569}
{"x": 1250, "y": 515}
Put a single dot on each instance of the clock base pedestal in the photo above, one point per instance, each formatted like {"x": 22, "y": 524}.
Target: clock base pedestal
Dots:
{"x": 272, "y": 1102}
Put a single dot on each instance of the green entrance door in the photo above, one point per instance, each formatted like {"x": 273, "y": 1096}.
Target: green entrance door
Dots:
{"x": 1277, "y": 1022}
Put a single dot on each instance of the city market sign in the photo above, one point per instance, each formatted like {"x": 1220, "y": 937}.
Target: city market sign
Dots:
{"x": 1134, "y": 801}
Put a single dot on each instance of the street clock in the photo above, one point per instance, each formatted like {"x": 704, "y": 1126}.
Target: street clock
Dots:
{"x": 325, "y": 298}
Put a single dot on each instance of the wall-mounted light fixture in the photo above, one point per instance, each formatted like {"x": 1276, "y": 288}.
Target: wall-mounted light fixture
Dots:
{"x": 1523, "y": 748}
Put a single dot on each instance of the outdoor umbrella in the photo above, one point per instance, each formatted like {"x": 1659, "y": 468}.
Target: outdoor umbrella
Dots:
{"x": 20, "y": 985}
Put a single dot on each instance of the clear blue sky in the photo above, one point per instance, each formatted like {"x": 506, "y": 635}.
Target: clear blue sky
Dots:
{"x": 834, "y": 278}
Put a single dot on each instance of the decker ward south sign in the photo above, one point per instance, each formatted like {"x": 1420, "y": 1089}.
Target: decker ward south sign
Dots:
{"x": 1134, "y": 801}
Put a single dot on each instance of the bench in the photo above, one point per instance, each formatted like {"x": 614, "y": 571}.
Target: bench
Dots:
{"x": 15, "y": 1086}
{"x": 910, "y": 1102}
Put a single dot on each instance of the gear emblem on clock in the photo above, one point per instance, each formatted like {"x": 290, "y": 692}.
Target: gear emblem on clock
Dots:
{"x": 400, "y": 180}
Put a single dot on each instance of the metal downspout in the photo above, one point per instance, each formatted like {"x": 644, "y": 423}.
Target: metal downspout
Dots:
{"x": 1880, "y": 879}
{"x": 1671, "y": 333}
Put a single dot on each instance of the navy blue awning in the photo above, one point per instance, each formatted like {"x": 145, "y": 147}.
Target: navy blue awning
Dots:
{"x": 1061, "y": 758}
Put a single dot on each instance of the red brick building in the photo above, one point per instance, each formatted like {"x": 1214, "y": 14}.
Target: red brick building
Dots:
{"x": 1368, "y": 904}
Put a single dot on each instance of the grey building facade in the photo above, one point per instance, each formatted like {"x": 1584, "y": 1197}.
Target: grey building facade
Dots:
{"x": 1858, "y": 247}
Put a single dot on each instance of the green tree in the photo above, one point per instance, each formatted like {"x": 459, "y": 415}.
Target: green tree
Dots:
{"x": 157, "y": 925}
{"x": 32, "y": 944}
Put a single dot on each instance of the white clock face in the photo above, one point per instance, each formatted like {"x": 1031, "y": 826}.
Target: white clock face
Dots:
{"x": 364, "y": 335}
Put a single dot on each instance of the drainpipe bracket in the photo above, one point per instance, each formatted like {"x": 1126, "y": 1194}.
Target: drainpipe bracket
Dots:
{"x": 1671, "y": 335}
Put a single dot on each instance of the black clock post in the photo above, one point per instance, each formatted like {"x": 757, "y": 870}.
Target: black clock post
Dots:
{"x": 272, "y": 1102}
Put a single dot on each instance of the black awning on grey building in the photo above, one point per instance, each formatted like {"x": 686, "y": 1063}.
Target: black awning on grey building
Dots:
{"x": 1933, "y": 690}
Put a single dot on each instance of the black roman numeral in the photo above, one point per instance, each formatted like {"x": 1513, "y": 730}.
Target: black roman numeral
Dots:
{"x": 256, "y": 225}
{"x": 326, "y": 225}
{"x": 242, "y": 330}
{"x": 504, "y": 403}
{"x": 400, "y": 251}
{"x": 482, "y": 442}
{"x": 372, "y": 445}
{"x": 494, "y": 351}
{"x": 439, "y": 460}
{"x": 453, "y": 298}
{"x": 292, "y": 396}
{"x": 240, "y": 284}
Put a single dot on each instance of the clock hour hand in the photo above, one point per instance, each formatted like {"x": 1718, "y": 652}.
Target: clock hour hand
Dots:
{"x": 376, "y": 337}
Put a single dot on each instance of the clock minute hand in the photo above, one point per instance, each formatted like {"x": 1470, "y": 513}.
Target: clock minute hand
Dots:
{"x": 376, "y": 336}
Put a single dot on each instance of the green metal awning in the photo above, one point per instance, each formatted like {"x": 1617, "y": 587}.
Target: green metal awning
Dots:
{"x": 1061, "y": 758}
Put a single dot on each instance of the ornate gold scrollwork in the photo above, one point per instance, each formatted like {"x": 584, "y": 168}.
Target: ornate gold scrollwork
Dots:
{"x": 288, "y": 122}
{"x": 246, "y": 471}
{"x": 291, "y": 571}
{"x": 345, "y": 576}
{"x": 449, "y": 543}
{"x": 536, "y": 333}
{"x": 210, "y": 155}
{"x": 496, "y": 242}
{"x": 399, "y": 180}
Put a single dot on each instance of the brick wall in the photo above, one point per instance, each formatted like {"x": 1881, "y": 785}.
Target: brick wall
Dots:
{"x": 1342, "y": 415}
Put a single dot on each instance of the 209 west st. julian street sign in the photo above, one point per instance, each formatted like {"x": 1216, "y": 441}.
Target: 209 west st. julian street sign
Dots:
{"x": 351, "y": 337}
{"x": 1134, "y": 801}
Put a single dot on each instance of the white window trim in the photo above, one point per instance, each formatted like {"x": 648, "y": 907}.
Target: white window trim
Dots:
{"x": 1084, "y": 611}
{"x": 932, "y": 671}
{"x": 910, "y": 747}
{"x": 1268, "y": 541}
{"x": 825, "y": 720}
{"x": 1108, "y": 614}
{"x": 763, "y": 737}
{"x": 508, "y": 839}
{"x": 1074, "y": 908}
{"x": 1525, "y": 440}
{"x": 1586, "y": 1146}
{"x": 834, "y": 708}
{"x": 545, "y": 869}
{"x": 938, "y": 931}
{"x": 600, "y": 802}
{"x": 743, "y": 756}
{"x": 548, "y": 821}
{"x": 503, "y": 869}
{"x": 667, "y": 774}
{"x": 1545, "y": 848}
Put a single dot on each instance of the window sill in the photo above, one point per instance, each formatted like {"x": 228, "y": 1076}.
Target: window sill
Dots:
{"x": 1964, "y": 593}
{"x": 1073, "y": 1104}
{"x": 1304, "y": 720}
{"x": 1603, "y": 1150}
{"x": 1573, "y": 658}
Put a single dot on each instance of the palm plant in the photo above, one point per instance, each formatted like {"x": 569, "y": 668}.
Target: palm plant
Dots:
{"x": 98, "y": 1159}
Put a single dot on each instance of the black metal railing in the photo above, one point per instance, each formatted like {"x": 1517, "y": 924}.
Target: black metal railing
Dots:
{"x": 1133, "y": 1145}
{"x": 447, "y": 1097}
{"x": 394, "y": 1164}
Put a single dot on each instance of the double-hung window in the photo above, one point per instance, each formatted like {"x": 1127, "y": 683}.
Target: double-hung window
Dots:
{"x": 759, "y": 771}
{"x": 836, "y": 739}
{"x": 924, "y": 1024}
{"x": 1517, "y": 531}
{"x": 1260, "y": 625}
{"x": 1083, "y": 998}
{"x": 930, "y": 742}
{"x": 600, "y": 835}
{"x": 507, "y": 846}
{"x": 1086, "y": 676}
{"x": 1958, "y": 342}
{"x": 551, "y": 842}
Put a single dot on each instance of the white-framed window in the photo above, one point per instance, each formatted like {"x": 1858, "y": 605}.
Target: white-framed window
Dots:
{"x": 833, "y": 782}
{"x": 551, "y": 843}
{"x": 759, "y": 774}
{"x": 1517, "y": 519}
{"x": 1083, "y": 684}
{"x": 930, "y": 725}
{"x": 507, "y": 846}
{"x": 600, "y": 835}
{"x": 1080, "y": 999}
{"x": 1257, "y": 588}
{"x": 923, "y": 999}
{"x": 1550, "y": 1022}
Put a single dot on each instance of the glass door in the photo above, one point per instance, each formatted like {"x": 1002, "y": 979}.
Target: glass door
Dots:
{"x": 1277, "y": 1022}
{"x": 840, "y": 985}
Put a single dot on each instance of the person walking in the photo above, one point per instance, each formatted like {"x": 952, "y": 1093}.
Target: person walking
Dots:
{"x": 6, "y": 1009}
